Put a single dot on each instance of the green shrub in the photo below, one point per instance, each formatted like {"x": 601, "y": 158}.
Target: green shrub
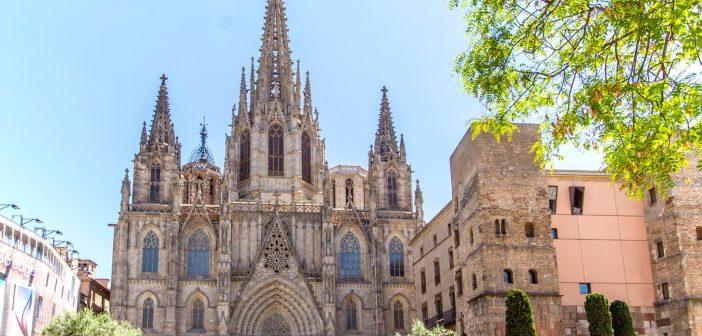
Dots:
{"x": 87, "y": 323}
{"x": 621, "y": 319}
{"x": 418, "y": 329}
{"x": 520, "y": 319}
{"x": 598, "y": 315}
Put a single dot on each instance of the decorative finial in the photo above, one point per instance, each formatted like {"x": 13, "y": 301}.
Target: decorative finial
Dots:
{"x": 385, "y": 90}
{"x": 163, "y": 79}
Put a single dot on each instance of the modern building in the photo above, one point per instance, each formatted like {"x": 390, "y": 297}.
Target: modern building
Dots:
{"x": 275, "y": 242}
{"x": 36, "y": 283}
{"x": 94, "y": 292}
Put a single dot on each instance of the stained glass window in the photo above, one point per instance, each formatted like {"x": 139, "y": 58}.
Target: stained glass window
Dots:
{"x": 198, "y": 253}
{"x": 147, "y": 314}
{"x": 350, "y": 257}
{"x": 149, "y": 261}
{"x": 397, "y": 258}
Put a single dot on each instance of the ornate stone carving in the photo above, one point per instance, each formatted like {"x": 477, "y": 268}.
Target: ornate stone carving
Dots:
{"x": 277, "y": 251}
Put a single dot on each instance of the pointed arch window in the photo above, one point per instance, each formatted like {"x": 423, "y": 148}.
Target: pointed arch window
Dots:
{"x": 351, "y": 315}
{"x": 244, "y": 155}
{"x": 149, "y": 258}
{"x": 397, "y": 258}
{"x": 275, "y": 151}
{"x": 198, "y": 315}
{"x": 392, "y": 190}
{"x": 398, "y": 314}
{"x": 155, "y": 184}
{"x": 198, "y": 253}
{"x": 350, "y": 257}
{"x": 349, "y": 191}
{"x": 306, "y": 158}
{"x": 147, "y": 314}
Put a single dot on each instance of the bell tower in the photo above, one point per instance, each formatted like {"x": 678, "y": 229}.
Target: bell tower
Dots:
{"x": 389, "y": 175}
{"x": 157, "y": 165}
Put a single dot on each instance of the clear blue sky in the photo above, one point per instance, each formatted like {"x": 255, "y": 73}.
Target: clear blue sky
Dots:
{"x": 77, "y": 79}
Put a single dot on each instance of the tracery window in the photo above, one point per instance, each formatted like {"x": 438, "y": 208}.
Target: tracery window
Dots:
{"x": 351, "y": 315}
{"x": 155, "y": 184}
{"x": 198, "y": 315}
{"x": 244, "y": 155}
{"x": 398, "y": 314}
{"x": 397, "y": 258}
{"x": 275, "y": 151}
{"x": 350, "y": 257}
{"x": 198, "y": 253}
{"x": 277, "y": 252}
{"x": 149, "y": 258}
{"x": 275, "y": 325}
{"x": 306, "y": 158}
{"x": 392, "y": 190}
{"x": 147, "y": 314}
{"x": 349, "y": 191}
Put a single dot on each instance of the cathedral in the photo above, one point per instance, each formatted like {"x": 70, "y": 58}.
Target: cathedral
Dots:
{"x": 275, "y": 242}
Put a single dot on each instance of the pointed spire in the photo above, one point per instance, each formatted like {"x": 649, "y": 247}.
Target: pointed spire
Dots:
{"x": 403, "y": 150}
{"x": 162, "y": 133}
{"x": 252, "y": 86}
{"x": 419, "y": 203}
{"x": 298, "y": 83}
{"x": 243, "y": 116}
{"x": 124, "y": 204}
{"x": 385, "y": 140}
{"x": 144, "y": 138}
{"x": 202, "y": 153}
{"x": 275, "y": 81}
{"x": 307, "y": 105}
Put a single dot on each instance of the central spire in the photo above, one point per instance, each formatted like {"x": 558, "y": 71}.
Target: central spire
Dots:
{"x": 275, "y": 76}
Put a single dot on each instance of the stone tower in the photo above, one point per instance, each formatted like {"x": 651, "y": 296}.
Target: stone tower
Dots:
{"x": 675, "y": 240}
{"x": 502, "y": 233}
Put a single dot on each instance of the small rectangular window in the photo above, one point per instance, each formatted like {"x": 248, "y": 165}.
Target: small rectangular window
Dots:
{"x": 577, "y": 196}
{"x": 554, "y": 233}
{"x": 552, "y": 198}
{"x": 421, "y": 251}
{"x": 423, "y": 280}
{"x": 652, "y": 195}
{"x": 450, "y": 229}
{"x": 450, "y": 254}
{"x": 585, "y": 288}
{"x": 660, "y": 249}
{"x": 437, "y": 272}
{"x": 425, "y": 313}
{"x": 434, "y": 240}
{"x": 664, "y": 290}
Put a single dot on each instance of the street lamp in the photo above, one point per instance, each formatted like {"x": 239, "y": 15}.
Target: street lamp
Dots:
{"x": 14, "y": 206}
{"x": 27, "y": 220}
{"x": 45, "y": 233}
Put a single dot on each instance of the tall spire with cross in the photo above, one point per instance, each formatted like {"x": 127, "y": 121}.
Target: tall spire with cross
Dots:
{"x": 275, "y": 75}
{"x": 385, "y": 139}
{"x": 162, "y": 134}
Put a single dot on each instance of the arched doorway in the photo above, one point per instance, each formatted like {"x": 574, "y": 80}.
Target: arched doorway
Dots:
{"x": 275, "y": 325}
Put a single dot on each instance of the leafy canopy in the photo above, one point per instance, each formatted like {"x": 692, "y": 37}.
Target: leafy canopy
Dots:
{"x": 598, "y": 316}
{"x": 620, "y": 76}
{"x": 87, "y": 323}
{"x": 621, "y": 319}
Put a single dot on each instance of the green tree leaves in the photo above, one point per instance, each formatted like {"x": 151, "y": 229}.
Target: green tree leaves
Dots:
{"x": 520, "y": 319}
{"x": 622, "y": 77}
{"x": 87, "y": 323}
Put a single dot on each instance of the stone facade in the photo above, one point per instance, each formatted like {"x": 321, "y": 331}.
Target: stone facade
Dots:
{"x": 675, "y": 245}
{"x": 502, "y": 219}
{"x": 275, "y": 242}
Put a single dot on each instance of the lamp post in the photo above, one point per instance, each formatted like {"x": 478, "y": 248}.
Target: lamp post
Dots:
{"x": 46, "y": 232}
{"x": 26, "y": 220}
{"x": 14, "y": 206}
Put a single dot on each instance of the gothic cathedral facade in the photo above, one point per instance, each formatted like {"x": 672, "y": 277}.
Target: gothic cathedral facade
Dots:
{"x": 275, "y": 242}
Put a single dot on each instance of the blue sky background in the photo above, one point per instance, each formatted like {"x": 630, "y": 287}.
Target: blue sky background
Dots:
{"x": 77, "y": 79}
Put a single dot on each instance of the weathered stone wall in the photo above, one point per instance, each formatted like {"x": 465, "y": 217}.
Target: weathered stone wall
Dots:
{"x": 674, "y": 223}
{"x": 495, "y": 183}
{"x": 575, "y": 320}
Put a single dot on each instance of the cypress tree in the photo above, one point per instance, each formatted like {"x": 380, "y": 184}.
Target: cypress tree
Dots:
{"x": 598, "y": 315}
{"x": 520, "y": 320}
{"x": 621, "y": 319}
